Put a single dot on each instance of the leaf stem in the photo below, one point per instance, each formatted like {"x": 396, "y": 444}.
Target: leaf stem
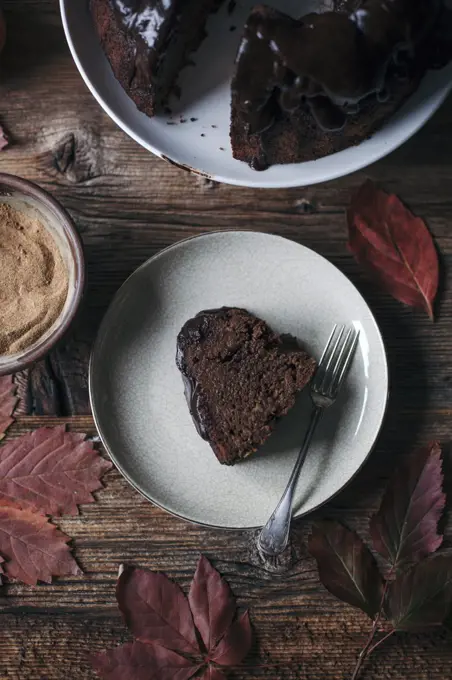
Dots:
{"x": 365, "y": 651}
{"x": 369, "y": 647}
{"x": 383, "y": 639}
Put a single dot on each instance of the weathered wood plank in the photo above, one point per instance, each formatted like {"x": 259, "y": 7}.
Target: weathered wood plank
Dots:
{"x": 304, "y": 647}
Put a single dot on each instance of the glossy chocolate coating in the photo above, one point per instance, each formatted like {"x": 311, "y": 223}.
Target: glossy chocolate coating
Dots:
{"x": 329, "y": 62}
{"x": 194, "y": 329}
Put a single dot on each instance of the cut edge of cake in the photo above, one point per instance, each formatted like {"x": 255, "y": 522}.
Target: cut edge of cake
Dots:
{"x": 149, "y": 75}
{"x": 240, "y": 378}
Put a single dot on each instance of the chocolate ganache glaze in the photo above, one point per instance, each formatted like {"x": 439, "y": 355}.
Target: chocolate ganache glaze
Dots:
{"x": 329, "y": 62}
{"x": 193, "y": 331}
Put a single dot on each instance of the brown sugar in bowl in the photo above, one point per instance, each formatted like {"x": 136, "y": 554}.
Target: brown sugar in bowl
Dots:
{"x": 27, "y": 197}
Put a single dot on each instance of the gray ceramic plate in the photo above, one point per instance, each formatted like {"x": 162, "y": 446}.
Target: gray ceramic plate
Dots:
{"x": 137, "y": 395}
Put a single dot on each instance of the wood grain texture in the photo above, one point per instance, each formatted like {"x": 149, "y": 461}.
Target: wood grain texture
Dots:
{"x": 128, "y": 205}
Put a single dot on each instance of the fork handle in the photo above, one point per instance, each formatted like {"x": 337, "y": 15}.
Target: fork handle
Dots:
{"x": 274, "y": 536}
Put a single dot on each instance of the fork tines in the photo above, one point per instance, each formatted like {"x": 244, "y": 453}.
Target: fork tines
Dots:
{"x": 335, "y": 360}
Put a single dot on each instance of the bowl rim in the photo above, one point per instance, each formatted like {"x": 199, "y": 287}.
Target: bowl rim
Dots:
{"x": 336, "y": 170}
{"x": 41, "y": 348}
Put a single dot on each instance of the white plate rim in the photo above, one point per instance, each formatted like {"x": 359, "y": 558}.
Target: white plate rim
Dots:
{"x": 115, "y": 460}
{"x": 376, "y": 155}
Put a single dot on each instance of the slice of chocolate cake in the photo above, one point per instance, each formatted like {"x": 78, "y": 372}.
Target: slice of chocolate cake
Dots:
{"x": 149, "y": 41}
{"x": 305, "y": 88}
{"x": 240, "y": 377}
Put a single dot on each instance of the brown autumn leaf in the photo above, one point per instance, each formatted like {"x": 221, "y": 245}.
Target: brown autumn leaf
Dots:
{"x": 236, "y": 643}
{"x": 156, "y": 610}
{"x": 159, "y": 615}
{"x": 51, "y": 471}
{"x": 34, "y": 549}
{"x": 421, "y": 597}
{"x": 394, "y": 246}
{"x": 143, "y": 661}
{"x": 213, "y": 673}
{"x": 405, "y": 528}
{"x": 211, "y": 602}
{"x": 346, "y": 566}
{"x": 8, "y": 399}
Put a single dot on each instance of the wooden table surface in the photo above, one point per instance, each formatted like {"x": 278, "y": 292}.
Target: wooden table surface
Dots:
{"x": 128, "y": 205}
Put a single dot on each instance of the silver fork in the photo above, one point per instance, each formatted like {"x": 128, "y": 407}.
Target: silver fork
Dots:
{"x": 328, "y": 380}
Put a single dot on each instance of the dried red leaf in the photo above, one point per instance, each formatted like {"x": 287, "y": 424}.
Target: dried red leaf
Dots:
{"x": 159, "y": 615}
{"x": 140, "y": 661}
{"x": 156, "y": 610}
{"x": 235, "y": 645}
{"x": 211, "y": 602}
{"x": 394, "y": 246}
{"x": 213, "y": 673}
{"x": 8, "y": 399}
{"x": 421, "y": 597}
{"x": 33, "y": 548}
{"x": 405, "y": 529}
{"x": 50, "y": 470}
{"x": 346, "y": 566}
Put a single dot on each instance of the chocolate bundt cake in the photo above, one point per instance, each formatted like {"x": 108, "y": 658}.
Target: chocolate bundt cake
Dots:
{"x": 305, "y": 88}
{"x": 148, "y": 42}
{"x": 302, "y": 88}
{"x": 240, "y": 377}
